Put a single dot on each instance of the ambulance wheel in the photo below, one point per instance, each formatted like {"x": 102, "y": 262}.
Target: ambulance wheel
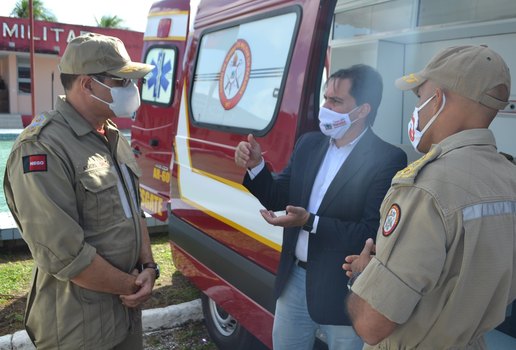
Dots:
{"x": 225, "y": 331}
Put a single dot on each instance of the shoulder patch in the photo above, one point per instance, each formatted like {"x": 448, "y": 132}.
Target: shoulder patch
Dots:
{"x": 34, "y": 163}
{"x": 391, "y": 220}
{"x": 36, "y": 125}
{"x": 409, "y": 174}
{"x": 37, "y": 121}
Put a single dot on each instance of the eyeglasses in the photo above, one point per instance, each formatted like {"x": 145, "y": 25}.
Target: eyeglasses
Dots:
{"x": 119, "y": 82}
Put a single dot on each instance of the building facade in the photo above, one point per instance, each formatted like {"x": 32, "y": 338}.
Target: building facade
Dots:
{"x": 50, "y": 40}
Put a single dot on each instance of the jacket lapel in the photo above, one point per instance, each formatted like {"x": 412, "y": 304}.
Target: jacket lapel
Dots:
{"x": 350, "y": 167}
{"x": 313, "y": 163}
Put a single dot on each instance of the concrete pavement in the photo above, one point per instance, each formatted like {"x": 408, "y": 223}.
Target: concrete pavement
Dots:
{"x": 153, "y": 320}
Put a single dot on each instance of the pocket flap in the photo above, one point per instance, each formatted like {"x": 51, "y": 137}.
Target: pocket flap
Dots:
{"x": 99, "y": 180}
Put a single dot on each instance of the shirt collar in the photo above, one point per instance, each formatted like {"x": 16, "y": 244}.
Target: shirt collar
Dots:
{"x": 352, "y": 143}
{"x": 468, "y": 138}
{"x": 76, "y": 121}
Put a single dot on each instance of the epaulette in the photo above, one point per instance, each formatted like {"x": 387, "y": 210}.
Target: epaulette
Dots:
{"x": 509, "y": 157}
{"x": 409, "y": 174}
{"x": 34, "y": 128}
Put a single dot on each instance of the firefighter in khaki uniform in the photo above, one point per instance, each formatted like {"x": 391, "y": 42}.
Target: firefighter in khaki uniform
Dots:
{"x": 72, "y": 186}
{"x": 444, "y": 272}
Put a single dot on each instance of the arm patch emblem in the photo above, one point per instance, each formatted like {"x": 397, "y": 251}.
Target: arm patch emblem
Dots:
{"x": 392, "y": 220}
{"x": 34, "y": 163}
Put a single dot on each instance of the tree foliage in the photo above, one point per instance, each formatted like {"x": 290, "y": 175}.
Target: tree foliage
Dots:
{"x": 110, "y": 22}
{"x": 21, "y": 10}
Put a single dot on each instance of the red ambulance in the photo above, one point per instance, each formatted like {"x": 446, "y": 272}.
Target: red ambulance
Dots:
{"x": 257, "y": 66}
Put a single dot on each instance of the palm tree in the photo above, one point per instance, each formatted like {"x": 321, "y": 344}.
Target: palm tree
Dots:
{"x": 21, "y": 10}
{"x": 110, "y": 22}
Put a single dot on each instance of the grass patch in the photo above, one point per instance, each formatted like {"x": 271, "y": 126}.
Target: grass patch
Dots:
{"x": 172, "y": 287}
{"x": 15, "y": 275}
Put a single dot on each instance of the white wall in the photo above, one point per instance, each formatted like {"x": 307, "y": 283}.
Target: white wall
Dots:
{"x": 387, "y": 58}
{"x": 417, "y": 55}
{"x": 394, "y": 57}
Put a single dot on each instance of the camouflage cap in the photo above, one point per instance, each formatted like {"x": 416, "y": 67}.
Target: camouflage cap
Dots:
{"x": 470, "y": 71}
{"x": 94, "y": 53}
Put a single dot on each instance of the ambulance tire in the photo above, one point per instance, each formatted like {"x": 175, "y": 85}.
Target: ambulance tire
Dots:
{"x": 225, "y": 331}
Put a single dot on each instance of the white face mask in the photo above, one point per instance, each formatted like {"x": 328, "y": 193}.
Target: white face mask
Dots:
{"x": 126, "y": 100}
{"x": 414, "y": 134}
{"x": 334, "y": 124}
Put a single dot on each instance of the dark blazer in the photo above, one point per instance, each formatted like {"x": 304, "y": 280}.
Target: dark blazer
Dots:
{"x": 349, "y": 214}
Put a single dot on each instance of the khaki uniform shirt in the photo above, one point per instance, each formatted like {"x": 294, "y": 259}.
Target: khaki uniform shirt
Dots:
{"x": 445, "y": 263}
{"x": 74, "y": 195}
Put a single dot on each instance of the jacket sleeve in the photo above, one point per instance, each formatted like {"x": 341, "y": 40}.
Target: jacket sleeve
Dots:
{"x": 409, "y": 262}
{"x": 44, "y": 206}
{"x": 273, "y": 190}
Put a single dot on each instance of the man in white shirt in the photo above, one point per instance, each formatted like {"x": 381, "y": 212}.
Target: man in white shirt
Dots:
{"x": 331, "y": 190}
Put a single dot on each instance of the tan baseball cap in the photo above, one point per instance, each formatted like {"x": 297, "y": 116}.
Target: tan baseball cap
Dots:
{"x": 470, "y": 71}
{"x": 94, "y": 53}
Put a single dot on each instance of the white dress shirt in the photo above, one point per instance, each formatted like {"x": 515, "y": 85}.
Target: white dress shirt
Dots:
{"x": 333, "y": 160}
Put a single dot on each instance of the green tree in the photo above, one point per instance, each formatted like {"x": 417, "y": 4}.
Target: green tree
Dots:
{"x": 110, "y": 22}
{"x": 21, "y": 10}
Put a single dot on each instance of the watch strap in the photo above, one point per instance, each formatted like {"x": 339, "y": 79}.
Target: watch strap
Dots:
{"x": 149, "y": 265}
{"x": 353, "y": 279}
{"x": 309, "y": 225}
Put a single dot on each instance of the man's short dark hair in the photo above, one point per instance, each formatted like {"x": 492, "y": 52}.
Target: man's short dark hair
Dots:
{"x": 366, "y": 86}
{"x": 67, "y": 80}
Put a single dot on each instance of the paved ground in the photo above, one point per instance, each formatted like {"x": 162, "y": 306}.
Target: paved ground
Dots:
{"x": 190, "y": 336}
{"x": 178, "y": 327}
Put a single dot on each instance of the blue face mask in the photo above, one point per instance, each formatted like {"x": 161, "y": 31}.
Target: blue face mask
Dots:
{"x": 334, "y": 124}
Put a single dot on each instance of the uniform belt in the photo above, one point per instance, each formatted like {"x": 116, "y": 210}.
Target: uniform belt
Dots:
{"x": 301, "y": 264}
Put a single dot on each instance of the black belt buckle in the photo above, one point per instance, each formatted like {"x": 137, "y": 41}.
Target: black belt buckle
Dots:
{"x": 301, "y": 264}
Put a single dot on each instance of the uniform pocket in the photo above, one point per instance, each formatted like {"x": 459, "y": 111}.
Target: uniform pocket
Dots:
{"x": 102, "y": 204}
{"x": 99, "y": 321}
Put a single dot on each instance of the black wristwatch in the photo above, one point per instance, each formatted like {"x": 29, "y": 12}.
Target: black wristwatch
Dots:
{"x": 353, "y": 279}
{"x": 149, "y": 265}
{"x": 309, "y": 225}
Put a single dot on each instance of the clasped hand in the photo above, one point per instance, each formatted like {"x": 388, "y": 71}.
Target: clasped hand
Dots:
{"x": 144, "y": 283}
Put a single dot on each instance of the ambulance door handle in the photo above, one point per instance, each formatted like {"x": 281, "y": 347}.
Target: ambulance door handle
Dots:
{"x": 153, "y": 142}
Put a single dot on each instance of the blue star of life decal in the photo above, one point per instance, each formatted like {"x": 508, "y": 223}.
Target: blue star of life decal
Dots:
{"x": 159, "y": 79}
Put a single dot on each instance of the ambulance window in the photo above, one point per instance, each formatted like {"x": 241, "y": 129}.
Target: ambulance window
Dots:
{"x": 158, "y": 84}
{"x": 240, "y": 71}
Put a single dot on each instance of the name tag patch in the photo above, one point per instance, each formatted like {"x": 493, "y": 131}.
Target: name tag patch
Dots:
{"x": 34, "y": 163}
